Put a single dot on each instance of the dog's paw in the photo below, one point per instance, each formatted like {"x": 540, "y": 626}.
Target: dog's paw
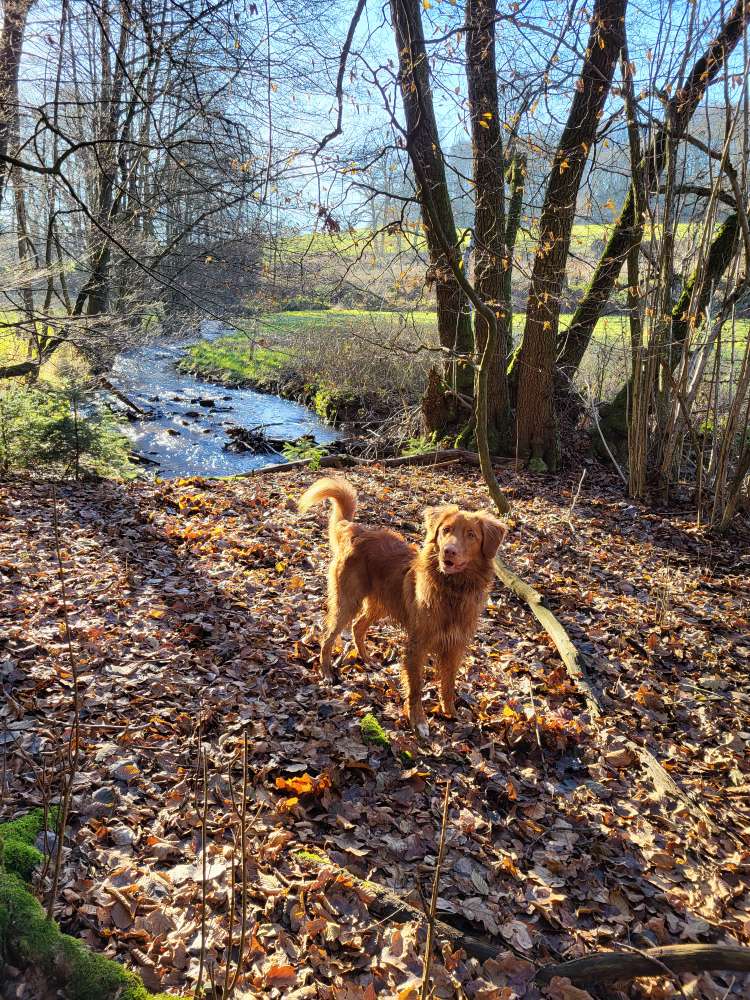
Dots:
{"x": 423, "y": 730}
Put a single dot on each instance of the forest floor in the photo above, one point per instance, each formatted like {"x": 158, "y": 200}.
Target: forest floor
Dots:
{"x": 194, "y": 607}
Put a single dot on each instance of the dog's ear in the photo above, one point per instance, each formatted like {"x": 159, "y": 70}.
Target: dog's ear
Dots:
{"x": 493, "y": 533}
{"x": 433, "y": 516}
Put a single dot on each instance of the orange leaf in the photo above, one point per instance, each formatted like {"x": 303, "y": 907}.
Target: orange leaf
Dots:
{"x": 304, "y": 784}
{"x": 281, "y": 975}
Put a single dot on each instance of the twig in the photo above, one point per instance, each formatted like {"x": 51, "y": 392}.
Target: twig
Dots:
{"x": 433, "y": 901}
{"x": 569, "y": 518}
{"x": 73, "y": 742}
{"x": 243, "y": 865}
{"x": 600, "y": 432}
{"x": 340, "y": 76}
{"x": 204, "y": 827}
{"x": 669, "y": 972}
{"x": 536, "y": 725}
{"x": 225, "y": 992}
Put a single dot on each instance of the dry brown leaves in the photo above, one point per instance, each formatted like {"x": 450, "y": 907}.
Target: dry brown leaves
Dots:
{"x": 194, "y": 606}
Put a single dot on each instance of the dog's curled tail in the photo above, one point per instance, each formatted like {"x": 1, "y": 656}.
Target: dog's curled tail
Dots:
{"x": 343, "y": 499}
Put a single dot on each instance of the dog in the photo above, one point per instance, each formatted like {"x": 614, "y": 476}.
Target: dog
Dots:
{"x": 436, "y": 592}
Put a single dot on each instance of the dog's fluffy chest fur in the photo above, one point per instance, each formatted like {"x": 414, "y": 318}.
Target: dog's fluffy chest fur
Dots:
{"x": 445, "y": 609}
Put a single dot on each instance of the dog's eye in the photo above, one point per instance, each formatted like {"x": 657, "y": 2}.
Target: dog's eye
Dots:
{"x": 471, "y": 535}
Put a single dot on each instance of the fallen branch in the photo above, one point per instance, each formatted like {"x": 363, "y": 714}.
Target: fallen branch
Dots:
{"x": 663, "y": 782}
{"x": 442, "y": 456}
{"x": 106, "y": 384}
{"x": 385, "y": 904}
{"x": 611, "y": 966}
{"x": 556, "y": 632}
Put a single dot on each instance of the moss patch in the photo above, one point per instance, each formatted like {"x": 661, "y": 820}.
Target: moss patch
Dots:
{"x": 27, "y": 937}
{"x": 372, "y": 732}
{"x": 311, "y": 857}
{"x": 18, "y": 854}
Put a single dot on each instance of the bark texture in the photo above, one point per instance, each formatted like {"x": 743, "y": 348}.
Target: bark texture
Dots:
{"x": 491, "y": 257}
{"x": 537, "y": 432}
{"x": 16, "y": 13}
{"x": 423, "y": 145}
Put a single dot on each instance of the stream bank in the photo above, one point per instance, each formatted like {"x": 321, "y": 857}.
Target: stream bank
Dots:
{"x": 190, "y": 426}
{"x": 235, "y": 362}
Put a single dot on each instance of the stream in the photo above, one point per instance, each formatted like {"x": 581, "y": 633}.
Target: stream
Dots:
{"x": 185, "y": 429}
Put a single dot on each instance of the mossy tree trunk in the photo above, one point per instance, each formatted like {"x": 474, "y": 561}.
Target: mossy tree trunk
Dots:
{"x": 425, "y": 152}
{"x": 627, "y": 230}
{"x": 536, "y": 419}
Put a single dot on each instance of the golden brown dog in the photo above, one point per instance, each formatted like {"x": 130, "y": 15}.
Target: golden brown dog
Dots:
{"x": 437, "y": 592}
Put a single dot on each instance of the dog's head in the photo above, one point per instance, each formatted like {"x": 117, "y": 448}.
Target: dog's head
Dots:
{"x": 462, "y": 539}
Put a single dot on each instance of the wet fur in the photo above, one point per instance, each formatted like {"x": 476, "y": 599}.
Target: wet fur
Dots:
{"x": 375, "y": 573}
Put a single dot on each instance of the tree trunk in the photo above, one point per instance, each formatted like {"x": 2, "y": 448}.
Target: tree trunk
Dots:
{"x": 423, "y": 146}
{"x": 11, "y": 44}
{"x": 537, "y": 432}
{"x": 491, "y": 259}
{"x": 626, "y": 232}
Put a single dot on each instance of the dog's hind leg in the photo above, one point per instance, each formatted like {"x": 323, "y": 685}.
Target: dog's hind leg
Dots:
{"x": 342, "y": 607}
{"x": 359, "y": 630}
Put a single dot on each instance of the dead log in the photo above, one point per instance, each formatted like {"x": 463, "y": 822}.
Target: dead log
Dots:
{"x": 611, "y": 966}
{"x": 442, "y": 456}
{"x": 326, "y": 462}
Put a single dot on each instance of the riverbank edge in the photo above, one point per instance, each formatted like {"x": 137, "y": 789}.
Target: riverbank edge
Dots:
{"x": 270, "y": 372}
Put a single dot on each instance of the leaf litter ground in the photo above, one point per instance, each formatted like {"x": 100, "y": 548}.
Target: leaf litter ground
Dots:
{"x": 195, "y": 605}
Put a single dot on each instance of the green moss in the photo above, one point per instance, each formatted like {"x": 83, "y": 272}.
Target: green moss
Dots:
{"x": 17, "y": 851}
{"x": 328, "y": 401}
{"x": 27, "y": 937}
{"x": 537, "y": 465}
{"x": 373, "y": 732}
{"x": 21, "y": 859}
{"x": 311, "y": 857}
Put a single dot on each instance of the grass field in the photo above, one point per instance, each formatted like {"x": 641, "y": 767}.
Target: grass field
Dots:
{"x": 354, "y": 243}
{"x": 384, "y": 355}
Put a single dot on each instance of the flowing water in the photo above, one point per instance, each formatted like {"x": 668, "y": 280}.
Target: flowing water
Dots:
{"x": 185, "y": 429}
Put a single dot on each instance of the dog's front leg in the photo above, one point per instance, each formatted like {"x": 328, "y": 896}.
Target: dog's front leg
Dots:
{"x": 448, "y": 666}
{"x": 412, "y": 671}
